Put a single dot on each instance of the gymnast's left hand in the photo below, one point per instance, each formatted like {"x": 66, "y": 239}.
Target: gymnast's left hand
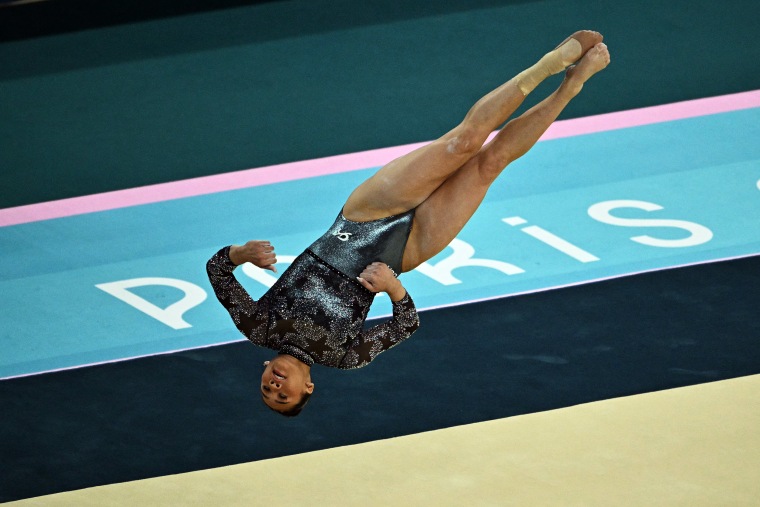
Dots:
{"x": 378, "y": 277}
{"x": 258, "y": 252}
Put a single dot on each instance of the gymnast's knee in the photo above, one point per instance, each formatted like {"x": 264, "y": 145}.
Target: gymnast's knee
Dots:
{"x": 491, "y": 165}
{"x": 465, "y": 140}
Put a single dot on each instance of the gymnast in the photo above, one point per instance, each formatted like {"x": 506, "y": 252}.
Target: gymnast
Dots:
{"x": 400, "y": 217}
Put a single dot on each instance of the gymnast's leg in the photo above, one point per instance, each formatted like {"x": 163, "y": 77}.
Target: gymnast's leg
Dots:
{"x": 408, "y": 181}
{"x": 442, "y": 215}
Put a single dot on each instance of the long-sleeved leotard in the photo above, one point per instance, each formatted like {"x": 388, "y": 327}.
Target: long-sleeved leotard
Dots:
{"x": 313, "y": 312}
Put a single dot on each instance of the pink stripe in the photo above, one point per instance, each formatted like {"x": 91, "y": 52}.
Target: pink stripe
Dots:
{"x": 655, "y": 114}
{"x": 354, "y": 161}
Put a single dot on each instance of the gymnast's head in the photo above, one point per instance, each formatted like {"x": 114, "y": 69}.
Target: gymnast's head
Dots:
{"x": 286, "y": 385}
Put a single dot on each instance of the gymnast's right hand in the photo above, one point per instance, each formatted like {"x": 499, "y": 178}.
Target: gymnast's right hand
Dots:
{"x": 378, "y": 277}
{"x": 258, "y": 252}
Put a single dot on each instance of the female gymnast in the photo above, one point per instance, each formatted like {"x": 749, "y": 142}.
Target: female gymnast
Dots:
{"x": 400, "y": 217}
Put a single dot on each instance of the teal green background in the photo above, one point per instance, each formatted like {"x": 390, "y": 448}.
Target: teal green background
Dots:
{"x": 231, "y": 89}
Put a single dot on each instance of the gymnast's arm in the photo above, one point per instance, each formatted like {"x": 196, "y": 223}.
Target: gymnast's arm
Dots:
{"x": 371, "y": 342}
{"x": 238, "y": 303}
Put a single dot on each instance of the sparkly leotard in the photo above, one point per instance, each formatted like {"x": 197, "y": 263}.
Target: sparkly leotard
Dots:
{"x": 350, "y": 246}
{"x": 316, "y": 310}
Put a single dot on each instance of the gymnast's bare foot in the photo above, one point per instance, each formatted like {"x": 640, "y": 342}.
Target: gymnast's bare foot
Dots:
{"x": 577, "y": 45}
{"x": 595, "y": 59}
{"x": 555, "y": 61}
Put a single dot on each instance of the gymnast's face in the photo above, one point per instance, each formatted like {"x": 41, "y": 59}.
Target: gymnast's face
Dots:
{"x": 283, "y": 384}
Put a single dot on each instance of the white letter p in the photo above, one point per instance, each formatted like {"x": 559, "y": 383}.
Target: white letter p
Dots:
{"x": 172, "y": 314}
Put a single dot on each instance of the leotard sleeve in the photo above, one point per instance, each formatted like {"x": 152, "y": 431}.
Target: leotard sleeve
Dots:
{"x": 245, "y": 312}
{"x": 377, "y": 339}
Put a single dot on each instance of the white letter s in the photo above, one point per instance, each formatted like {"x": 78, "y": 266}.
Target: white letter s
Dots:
{"x": 698, "y": 234}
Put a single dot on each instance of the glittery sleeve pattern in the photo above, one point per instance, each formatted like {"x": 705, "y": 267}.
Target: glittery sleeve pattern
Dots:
{"x": 313, "y": 312}
{"x": 370, "y": 343}
{"x": 247, "y": 315}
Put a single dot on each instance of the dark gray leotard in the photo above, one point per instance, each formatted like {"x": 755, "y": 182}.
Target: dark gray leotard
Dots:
{"x": 316, "y": 310}
{"x": 350, "y": 246}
